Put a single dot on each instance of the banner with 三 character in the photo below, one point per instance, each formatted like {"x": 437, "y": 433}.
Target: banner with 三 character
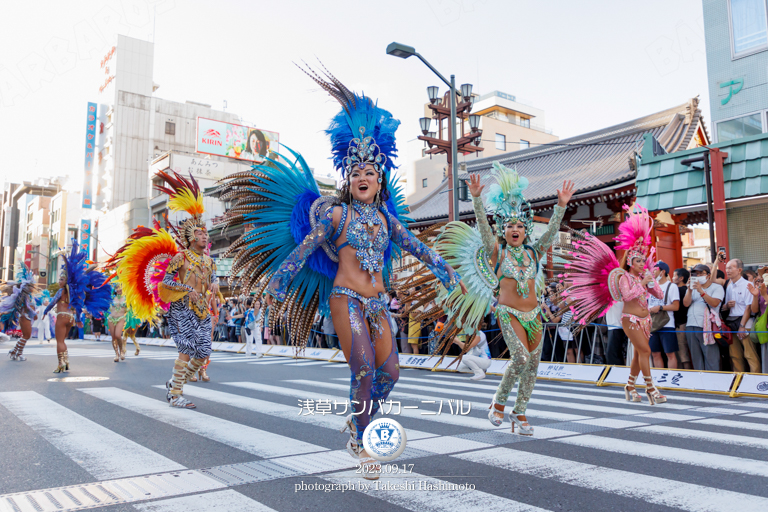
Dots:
{"x": 683, "y": 380}
{"x": 235, "y": 140}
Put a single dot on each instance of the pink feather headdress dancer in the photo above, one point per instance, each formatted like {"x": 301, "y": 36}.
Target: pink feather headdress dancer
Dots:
{"x": 591, "y": 271}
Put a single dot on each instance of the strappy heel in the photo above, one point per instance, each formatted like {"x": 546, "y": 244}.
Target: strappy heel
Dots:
{"x": 353, "y": 447}
{"x": 631, "y": 394}
{"x": 495, "y": 420}
{"x": 62, "y": 367}
{"x": 524, "y": 428}
{"x": 370, "y": 467}
{"x": 654, "y": 396}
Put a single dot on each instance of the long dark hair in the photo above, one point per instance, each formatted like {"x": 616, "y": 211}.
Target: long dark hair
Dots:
{"x": 262, "y": 142}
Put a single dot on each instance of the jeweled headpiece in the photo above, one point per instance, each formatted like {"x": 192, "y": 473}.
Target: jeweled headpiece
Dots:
{"x": 184, "y": 195}
{"x": 505, "y": 199}
{"x": 635, "y": 233}
{"x": 361, "y": 133}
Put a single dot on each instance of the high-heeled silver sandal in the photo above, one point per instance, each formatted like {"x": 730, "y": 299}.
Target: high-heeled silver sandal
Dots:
{"x": 353, "y": 447}
{"x": 524, "y": 428}
{"x": 495, "y": 420}
{"x": 631, "y": 394}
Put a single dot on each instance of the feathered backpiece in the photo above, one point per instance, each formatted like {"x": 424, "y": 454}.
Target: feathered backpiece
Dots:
{"x": 75, "y": 267}
{"x": 361, "y": 133}
{"x": 635, "y": 233}
{"x": 588, "y": 272}
{"x": 21, "y": 298}
{"x": 280, "y": 204}
{"x": 506, "y": 201}
{"x": 139, "y": 266}
{"x": 184, "y": 195}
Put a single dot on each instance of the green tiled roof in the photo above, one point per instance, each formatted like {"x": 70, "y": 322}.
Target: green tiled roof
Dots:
{"x": 663, "y": 182}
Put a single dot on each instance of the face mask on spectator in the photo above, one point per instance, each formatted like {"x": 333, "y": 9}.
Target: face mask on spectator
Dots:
{"x": 699, "y": 279}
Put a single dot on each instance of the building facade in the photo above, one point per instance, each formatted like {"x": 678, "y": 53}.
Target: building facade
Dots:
{"x": 736, "y": 34}
{"x": 508, "y": 125}
{"x": 137, "y": 133}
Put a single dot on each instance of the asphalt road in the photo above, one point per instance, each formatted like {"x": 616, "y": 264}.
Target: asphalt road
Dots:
{"x": 247, "y": 447}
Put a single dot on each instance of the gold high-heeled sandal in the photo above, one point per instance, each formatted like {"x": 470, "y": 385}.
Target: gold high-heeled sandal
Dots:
{"x": 204, "y": 375}
{"x": 62, "y": 366}
{"x": 654, "y": 396}
{"x": 631, "y": 394}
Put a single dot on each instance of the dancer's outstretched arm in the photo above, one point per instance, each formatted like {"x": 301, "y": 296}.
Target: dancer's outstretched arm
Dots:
{"x": 406, "y": 241}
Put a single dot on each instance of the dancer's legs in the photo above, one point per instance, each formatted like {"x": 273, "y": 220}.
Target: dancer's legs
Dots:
{"x": 640, "y": 359}
{"x": 193, "y": 341}
{"x": 26, "y": 332}
{"x": 519, "y": 356}
{"x": 63, "y": 324}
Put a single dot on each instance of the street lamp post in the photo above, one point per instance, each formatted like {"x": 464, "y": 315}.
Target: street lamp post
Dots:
{"x": 469, "y": 143}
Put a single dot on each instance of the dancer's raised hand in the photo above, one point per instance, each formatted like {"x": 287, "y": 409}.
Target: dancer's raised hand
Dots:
{"x": 475, "y": 188}
{"x": 564, "y": 195}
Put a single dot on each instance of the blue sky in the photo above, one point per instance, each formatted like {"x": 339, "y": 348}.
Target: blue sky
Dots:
{"x": 588, "y": 64}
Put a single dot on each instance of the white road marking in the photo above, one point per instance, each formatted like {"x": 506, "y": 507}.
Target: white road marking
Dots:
{"x": 670, "y": 454}
{"x": 100, "y": 451}
{"x": 242, "y": 437}
{"x": 651, "y": 489}
{"x": 704, "y": 435}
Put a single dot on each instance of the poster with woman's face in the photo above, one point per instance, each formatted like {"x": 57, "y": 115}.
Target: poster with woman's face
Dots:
{"x": 234, "y": 140}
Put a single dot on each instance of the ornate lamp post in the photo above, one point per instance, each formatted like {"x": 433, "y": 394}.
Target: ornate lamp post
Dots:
{"x": 442, "y": 109}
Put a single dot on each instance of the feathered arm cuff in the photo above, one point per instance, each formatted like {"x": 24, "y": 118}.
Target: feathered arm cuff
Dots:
{"x": 53, "y": 302}
{"x": 434, "y": 262}
{"x": 486, "y": 232}
{"x": 543, "y": 244}
{"x": 278, "y": 285}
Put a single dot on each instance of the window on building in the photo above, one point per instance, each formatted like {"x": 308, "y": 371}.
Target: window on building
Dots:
{"x": 424, "y": 183}
{"x": 170, "y": 128}
{"x": 524, "y": 144}
{"x": 423, "y": 151}
{"x": 501, "y": 142}
{"x": 749, "y": 29}
{"x": 29, "y": 237}
{"x": 525, "y": 123}
{"x": 740, "y": 127}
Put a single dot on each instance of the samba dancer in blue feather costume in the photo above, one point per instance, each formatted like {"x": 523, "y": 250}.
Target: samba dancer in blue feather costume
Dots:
{"x": 18, "y": 308}
{"x": 334, "y": 253}
{"x": 81, "y": 287}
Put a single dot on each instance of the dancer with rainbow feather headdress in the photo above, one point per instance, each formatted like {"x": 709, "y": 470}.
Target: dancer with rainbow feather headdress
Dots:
{"x": 81, "y": 287}
{"x": 18, "y": 308}
{"x": 156, "y": 275}
{"x": 596, "y": 280}
{"x": 334, "y": 253}
{"x": 503, "y": 272}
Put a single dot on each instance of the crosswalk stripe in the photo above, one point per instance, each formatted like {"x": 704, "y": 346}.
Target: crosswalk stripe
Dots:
{"x": 720, "y": 422}
{"x": 311, "y": 363}
{"x": 288, "y": 412}
{"x": 670, "y": 454}
{"x": 761, "y": 415}
{"x": 704, "y": 435}
{"x": 422, "y": 493}
{"x": 756, "y": 405}
{"x": 538, "y": 393}
{"x": 651, "y": 489}
{"x": 229, "y": 500}
{"x": 612, "y": 423}
{"x": 277, "y": 360}
{"x": 669, "y": 416}
{"x": 100, "y": 451}
{"x": 242, "y": 437}
{"x": 628, "y": 410}
{"x": 451, "y": 419}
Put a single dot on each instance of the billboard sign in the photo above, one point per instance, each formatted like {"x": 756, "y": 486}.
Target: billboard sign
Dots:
{"x": 234, "y": 140}
{"x": 28, "y": 255}
{"x": 201, "y": 167}
{"x": 90, "y": 144}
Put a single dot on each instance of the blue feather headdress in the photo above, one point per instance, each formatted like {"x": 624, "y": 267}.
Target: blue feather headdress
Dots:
{"x": 362, "y": 132}
{"x": 20, "y": 298}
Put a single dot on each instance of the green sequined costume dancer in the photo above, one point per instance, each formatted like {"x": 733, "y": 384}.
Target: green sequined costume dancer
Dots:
{"x": 503, "y": 273}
